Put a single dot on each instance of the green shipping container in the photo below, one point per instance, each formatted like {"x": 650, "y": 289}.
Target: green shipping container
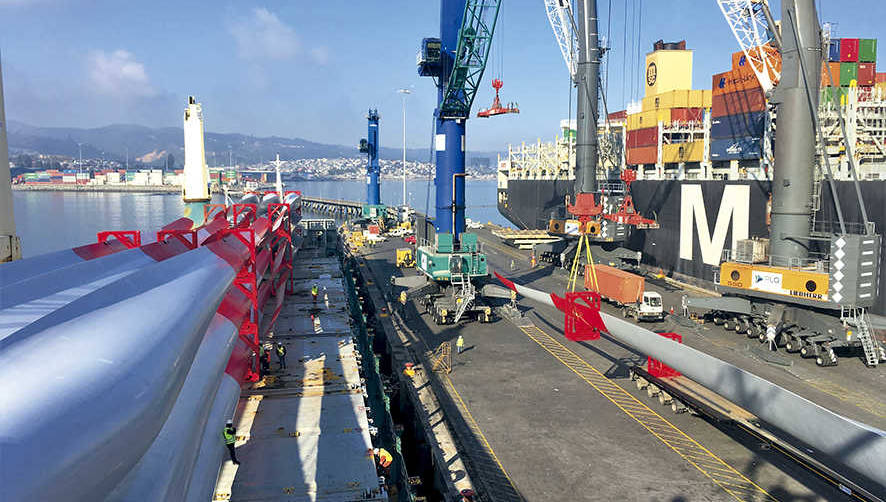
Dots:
{"x": 848, "y": 73}
{"x": 867, "y": 50}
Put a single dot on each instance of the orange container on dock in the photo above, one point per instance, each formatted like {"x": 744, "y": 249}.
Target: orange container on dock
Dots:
{"x": 615, "y": 285}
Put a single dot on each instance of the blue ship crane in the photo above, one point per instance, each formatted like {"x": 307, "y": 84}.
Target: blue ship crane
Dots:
{"x": 456, "y": 61}
{"x": 373, "y": 207}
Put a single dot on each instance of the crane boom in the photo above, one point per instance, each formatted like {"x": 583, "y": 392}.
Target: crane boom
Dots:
{"x": 560, "y": 15}
{"x": 750, "y": 22}
{"x": 469, "y": 62}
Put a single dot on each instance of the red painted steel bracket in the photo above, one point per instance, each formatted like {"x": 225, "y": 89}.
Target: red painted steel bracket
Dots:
{"x": 583, "y": 320}
{"x": 659, "y": 369}
{"x": 129, "y": 238}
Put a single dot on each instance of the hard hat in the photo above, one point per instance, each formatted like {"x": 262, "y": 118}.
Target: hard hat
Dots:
{"x": 375, "y": 450}
{"x": 229, "y": 422}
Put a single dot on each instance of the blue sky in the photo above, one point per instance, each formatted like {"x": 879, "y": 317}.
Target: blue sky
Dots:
{"x": 311, "y": 69}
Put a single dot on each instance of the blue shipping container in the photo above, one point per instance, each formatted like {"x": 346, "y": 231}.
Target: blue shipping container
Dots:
{"x": 834, "y": 50}
{"x": 736, "y": 149}
{"x": 738, "y": 126}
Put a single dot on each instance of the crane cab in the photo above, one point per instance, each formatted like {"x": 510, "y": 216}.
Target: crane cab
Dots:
{"x": 429, "y": 57}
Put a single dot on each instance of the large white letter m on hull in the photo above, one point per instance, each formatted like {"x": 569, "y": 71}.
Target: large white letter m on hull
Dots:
{"x": 734, "y": 207}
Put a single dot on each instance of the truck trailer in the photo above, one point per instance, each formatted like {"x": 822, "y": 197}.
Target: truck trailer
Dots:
{"x": 625, "y": 290}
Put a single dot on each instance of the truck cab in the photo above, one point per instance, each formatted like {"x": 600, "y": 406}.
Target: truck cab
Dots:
{"x": 650, "y": 307}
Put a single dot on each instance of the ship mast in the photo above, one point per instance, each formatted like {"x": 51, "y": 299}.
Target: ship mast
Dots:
{"x": 10, "y": 245}
{"x": 792, "y": 187}
{"x": 588, "y": 81}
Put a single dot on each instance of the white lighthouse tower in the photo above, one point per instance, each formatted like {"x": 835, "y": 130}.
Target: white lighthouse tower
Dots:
{"x": 195, "y": 186}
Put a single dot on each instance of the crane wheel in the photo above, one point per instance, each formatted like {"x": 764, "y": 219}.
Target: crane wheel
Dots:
{"x": 664, "y": 398}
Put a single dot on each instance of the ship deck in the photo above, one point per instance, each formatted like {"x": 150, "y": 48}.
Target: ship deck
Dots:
{"x": 538, "y": 417}
{"x": 303, "y": 432}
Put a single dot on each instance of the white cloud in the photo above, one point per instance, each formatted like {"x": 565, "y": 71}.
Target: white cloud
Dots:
{"x": 119, "y": 74}
{"x": 320, "y": 55}
{"x": 262, "y": 35}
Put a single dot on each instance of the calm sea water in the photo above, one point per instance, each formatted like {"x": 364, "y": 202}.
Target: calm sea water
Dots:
{"x": 51, "y": 221}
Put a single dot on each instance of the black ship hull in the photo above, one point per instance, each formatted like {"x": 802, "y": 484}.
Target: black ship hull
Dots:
{"x": 699, "y": 219}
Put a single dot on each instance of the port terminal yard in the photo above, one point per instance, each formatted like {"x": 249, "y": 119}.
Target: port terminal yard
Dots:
{"x": 535, "y": 416}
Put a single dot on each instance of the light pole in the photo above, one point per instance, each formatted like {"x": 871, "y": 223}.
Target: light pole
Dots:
{"x": 404, "y": 93}
{"x": 80, "y": 164}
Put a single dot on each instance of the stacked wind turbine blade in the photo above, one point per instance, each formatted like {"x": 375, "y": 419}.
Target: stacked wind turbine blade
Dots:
{"x": 25, "y": 301}
{"x": 211, "y": 453}
{"x": 20, "y": 270}
{"x": 165, "y": 469}
{"x": 117, "y": 359}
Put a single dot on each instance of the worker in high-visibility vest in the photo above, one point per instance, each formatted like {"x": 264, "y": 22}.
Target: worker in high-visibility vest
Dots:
{"x": 460, "y": 344}
{"x": 383, "y": 459}
{"x": 403, "y": 304}
{"x": 314, "y": 292}
{"x": 281, "y": 355}
{"x": 230, "y": 435}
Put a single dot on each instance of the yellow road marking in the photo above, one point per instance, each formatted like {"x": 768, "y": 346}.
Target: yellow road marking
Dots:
{"x": 712, "y": 466}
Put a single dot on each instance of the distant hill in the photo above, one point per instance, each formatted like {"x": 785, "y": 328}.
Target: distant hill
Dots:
{"x": 148, "y": 142}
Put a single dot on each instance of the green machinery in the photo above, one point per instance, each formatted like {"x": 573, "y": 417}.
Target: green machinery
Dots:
{"x": 449, "y": 292}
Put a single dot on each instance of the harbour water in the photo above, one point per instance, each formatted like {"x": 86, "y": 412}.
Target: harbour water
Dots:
{"x": 50, "y": 221}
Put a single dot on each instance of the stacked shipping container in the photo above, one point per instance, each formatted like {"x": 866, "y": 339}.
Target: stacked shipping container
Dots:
{"x": 851, "y": 62}
{"x": 738, "y": 112}
{"x": 669, "y": 103}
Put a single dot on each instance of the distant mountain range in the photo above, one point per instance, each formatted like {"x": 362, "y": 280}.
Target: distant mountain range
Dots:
{"x": 147, "y": 143}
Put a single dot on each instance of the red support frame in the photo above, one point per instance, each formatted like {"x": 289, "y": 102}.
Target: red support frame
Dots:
{"x": 582, "y": 320}
{"x": 249, "y": 210}
{"x": 210, "y": 211}
{"x": 129, "y": 238}
{"x": 186, "y": 237}
{"x": 659, "y": 369}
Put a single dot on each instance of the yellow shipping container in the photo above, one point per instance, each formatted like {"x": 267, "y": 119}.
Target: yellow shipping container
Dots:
{"x": 683, "y": 98}
{"x": 668, "y": 70}
{"x": 649, "y": 103}
{"x": 649, "y": 118}
{"x": 707, "y": 99}
{"x": 682, "y": 152}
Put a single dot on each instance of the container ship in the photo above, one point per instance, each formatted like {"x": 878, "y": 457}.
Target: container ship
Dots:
{"x": 703, "y": 158}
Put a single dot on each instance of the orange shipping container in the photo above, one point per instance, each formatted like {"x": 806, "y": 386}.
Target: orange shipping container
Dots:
{"x": 614, "y": 284}
{"x": 834, "y": 69}
{"x": 644, "y": 155}
{"x": 739, "y": 103}
{"x": 730, "y": 81}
